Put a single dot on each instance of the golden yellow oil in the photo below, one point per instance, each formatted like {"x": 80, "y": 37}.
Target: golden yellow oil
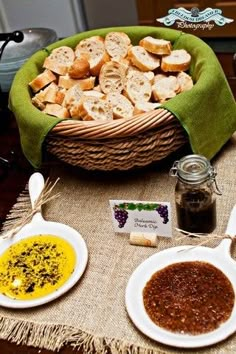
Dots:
{"x": 36, "y": 266}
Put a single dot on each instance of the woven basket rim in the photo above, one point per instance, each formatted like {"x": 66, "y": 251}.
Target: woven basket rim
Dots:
{"x": 115, "y": 128}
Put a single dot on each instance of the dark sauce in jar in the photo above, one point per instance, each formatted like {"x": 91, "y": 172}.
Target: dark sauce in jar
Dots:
{"x": 196, "y": 211}
{"x": 189, "y": 297}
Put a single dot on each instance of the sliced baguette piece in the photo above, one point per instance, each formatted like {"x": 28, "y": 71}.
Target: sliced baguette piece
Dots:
{"x": 60, "y": 60}
{"x": 178, "y": 60}
{"x": 121, "y": 106}
{"x": 166, "y": 88}
{"x": 138, "y": 88}
{"x": 79, "y": 68}
{"x": 56, "y": 110}
{"x": 159, "y": 77}
{"x": 42, "y": 80}
{"x": 142, "y": 59}
{"x": 149, "y": 74}
{"x": 117, "y": 44}
{"x": 72, "y": 97}
{"x": 38, "y": 103}
{"x": 112, "y": 77}
{"x": 93, "y": 108}
{"x": 85, "y": 84}
{"x": 185, "y": 81}
{"x": 94, "y": 48}
{"x": 53, "y": 94}
{"x": 94, "y": 93}
{"x": 156, "y": 46}
{"x": 142, "y": 107}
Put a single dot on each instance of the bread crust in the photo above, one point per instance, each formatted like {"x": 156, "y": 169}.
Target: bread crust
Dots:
{"x": 80, "y": 68}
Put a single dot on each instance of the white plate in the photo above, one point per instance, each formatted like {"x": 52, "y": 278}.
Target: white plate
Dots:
{"x": 60, "y": 230}
{"x": 40, "y": 226}
{"x": 219, "y": 257}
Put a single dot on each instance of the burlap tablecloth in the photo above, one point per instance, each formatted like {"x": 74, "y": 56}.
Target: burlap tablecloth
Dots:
{"x": 92, "y": 314}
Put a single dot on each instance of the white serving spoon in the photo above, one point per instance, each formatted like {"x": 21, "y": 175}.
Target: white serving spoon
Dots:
{"x": 219, "y": 257}
{"x": 40, "y": 226}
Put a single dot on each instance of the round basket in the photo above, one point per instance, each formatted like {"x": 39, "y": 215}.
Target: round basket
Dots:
{"x": 117, "y": 145}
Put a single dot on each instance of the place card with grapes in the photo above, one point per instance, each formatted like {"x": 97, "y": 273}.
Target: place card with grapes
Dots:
{"x": 141, "y": 216}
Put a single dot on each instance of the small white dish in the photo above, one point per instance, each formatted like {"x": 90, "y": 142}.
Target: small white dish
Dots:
{"x": 218, "y": 257}
{"x": 39, "y": 226}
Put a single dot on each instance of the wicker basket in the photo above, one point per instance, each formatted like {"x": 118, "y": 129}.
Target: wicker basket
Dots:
{"x": 117, "y": 145}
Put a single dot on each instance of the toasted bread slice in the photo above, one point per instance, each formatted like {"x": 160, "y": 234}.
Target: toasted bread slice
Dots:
{"x": 117, "y": 44}
{"x": 156, "y": 46}
{"x": 138, "y": 88}
{"x": 178, "y": 60}
{"x": 112, "y": 77}
{"x": 165, "y": 88}
{"x": 142, "y": 59}
{"x": 42, "y": 80}
{"x": 121, "y": 106}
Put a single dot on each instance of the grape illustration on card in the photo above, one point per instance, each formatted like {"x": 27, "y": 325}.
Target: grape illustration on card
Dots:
{"x": 142, "y": 216}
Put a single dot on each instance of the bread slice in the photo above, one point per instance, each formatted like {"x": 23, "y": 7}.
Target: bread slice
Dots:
{"x": 159, "y": 77}
{"x": 156, "y": 46}
{"x": 149, "y": 74}
{"x": 52, "y": 94}
{"x": 60, "y": 60}
{"x": 185, "y": 81}
{"x": 112, "y": 77}
{"x": 94, "y": 48}
{"x": 42, "y": 80}
{"x": 121, "y": 106}
{"x": 138, "y": 88}
{"x": 56, "y": 110}
{"x": 142, "y": 107}
{"x": 178, "y": 60}
{"x": 94, "y": 93}
{"x": 93, "y": 108}
{"x": 142, "y": 59}
{"x": 80, "y": 68}
{"x": 72, "y": 97}
{"x": 85, "y": 84}
{"x": 117, "y": 44}
{"x": 38, "y": 103}
{"x": 165, "y": 88}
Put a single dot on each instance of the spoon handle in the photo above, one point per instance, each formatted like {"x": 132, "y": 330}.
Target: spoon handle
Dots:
{"x": 36, "y": 184}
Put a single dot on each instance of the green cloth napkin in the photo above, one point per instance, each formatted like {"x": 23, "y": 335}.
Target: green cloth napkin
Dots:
{"x": 207, "y": 112}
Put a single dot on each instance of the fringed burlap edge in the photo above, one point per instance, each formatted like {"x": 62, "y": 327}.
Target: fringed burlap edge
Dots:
{"x": 54, "y": 337}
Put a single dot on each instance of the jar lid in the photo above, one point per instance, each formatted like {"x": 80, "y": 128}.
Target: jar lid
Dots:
{"x": 193, "y": 168}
